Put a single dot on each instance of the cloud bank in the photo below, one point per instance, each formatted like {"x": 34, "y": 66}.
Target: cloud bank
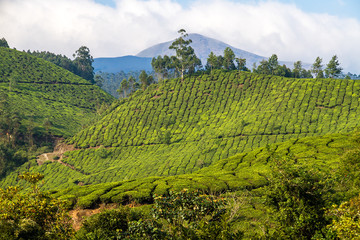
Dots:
{"x": 62, "y": 26}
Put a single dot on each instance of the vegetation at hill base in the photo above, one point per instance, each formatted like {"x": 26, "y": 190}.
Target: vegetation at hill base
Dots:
{"x": 34, "y": 214}
{"x": 270, "y": 192}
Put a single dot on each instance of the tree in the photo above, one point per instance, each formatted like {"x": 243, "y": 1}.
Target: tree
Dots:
{"x": 283, "y": 71}
{"x": 132, "y": 84}
{"x": 124, "y": 86}
{"x": 263, "y": 67}
{"x": 298, "y": 198}
{"x": 193, "y": 215}
{"x": 99, "y": 80}
{"x": 143, "y": 77}
{"x": 4, "y": 43}
{"x": 333, "y": 68}
{"x": 34, "y": 214}
{"x": 83, "y": 62}
{"x": 185, "y": 55}
{"x": 297, "y": 69}
{"x": 273, "y": 64}
{"x": 162, "y": 66}
{"x": 229, "y": 58}
{"x": 241, "y": 64}
{"x": 316, "y": 68}
{"x": 109, "y": 224}
{"x": 212, "y": 61}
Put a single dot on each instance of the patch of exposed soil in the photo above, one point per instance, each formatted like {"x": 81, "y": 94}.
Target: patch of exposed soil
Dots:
{"x": 57, "y": 154}
{"x": 80, "y": 215}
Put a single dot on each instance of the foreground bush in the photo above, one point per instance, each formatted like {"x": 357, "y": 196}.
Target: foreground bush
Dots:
{"x": 32, "y": 215}
{"x": 179, "y": 215}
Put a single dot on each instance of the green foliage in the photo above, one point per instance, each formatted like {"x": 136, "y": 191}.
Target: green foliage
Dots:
{"x": 298, "y": 196}
{"x": 4, "y": 43}
{"x": 83, "y": 62}
{"x": 185, "y": 60}
{"x": 192, "y": 215}
{"x": 242, "y": 171}
{"x": 57, "y": 59}
{"x": 346, "y": 219}
{"x": 32, "y": 215}
{"x": 45, "y": 93}
{"x": 229, "y": 58}
{"x": 208, "y": 118}
{"x": 316, "y": 68}
{"x": 109, "y": 224}
{"x": 333, "y": 68}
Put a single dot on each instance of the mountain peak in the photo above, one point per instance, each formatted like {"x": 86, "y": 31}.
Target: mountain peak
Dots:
{"x": 203, "y": 46}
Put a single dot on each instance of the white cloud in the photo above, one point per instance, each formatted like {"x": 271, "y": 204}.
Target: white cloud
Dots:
{"x": 62, "y": 26}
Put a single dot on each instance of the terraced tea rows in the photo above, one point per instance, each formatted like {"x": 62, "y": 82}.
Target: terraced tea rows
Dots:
{"x": 243, "y": 171}
{"x": 40, "y": 90}
{"x": 179, "y": 127}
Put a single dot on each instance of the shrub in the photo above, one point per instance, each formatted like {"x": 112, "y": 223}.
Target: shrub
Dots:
{"x": 108, "y": 224}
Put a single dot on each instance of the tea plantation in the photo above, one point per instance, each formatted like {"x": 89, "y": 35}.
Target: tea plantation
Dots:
{"x": 38, "y": 90}
{"x": 245, "y": 171}
{"x": 179, "y": 127}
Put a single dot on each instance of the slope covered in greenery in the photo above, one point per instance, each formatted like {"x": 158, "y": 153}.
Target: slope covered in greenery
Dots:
{"x": 245, "y": 171}
{"x": 179, "y": 127}
{"x": 38, "y": 90}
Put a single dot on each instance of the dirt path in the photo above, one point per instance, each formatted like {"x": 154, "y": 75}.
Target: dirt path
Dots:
{"x": 57, "y": 155}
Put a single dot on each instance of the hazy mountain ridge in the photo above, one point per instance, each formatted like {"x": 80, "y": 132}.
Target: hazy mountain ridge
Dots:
{"x": 202, "y": 45}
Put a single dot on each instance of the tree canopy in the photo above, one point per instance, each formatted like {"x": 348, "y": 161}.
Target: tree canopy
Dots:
{"x": 333, "y": 68}
{"x": 3, "y": 43}
{"x": 186, "y": 59}
{"x": 83, "y": 60}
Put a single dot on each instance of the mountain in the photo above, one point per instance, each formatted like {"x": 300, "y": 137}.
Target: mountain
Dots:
{"x": 126, "y": 64}
{"x": 179, "y": 127}
{"x": 201, "y": 44}
{"x": 38, "y": 90}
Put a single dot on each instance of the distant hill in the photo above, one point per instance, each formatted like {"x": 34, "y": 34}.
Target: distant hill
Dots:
{"x": 179, "y": 127}
{"x": 126, "y": 64}
{"x": 201, "y": 44}
{"x": 39, "y": 90}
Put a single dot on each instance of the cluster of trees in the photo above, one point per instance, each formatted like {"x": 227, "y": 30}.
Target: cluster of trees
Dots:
{"x": 272, "y": 67}
{"x": 185, "y": 60}
{"x": 81, "y": 65}
{"x": 225, "y": 62}
{"x": 130, "y": 85}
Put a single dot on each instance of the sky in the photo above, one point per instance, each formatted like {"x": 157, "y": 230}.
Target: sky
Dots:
{"x": 292, "y": 29}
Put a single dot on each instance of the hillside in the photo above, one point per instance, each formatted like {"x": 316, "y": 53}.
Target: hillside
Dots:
{"x": 181, "y": 127}
{"x": 245, "y": 171}
{"x": 39, "y": 90}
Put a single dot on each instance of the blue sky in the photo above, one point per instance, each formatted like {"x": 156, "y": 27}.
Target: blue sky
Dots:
{"x": 341, "y": 8}
{"x": 293, "y": 29}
